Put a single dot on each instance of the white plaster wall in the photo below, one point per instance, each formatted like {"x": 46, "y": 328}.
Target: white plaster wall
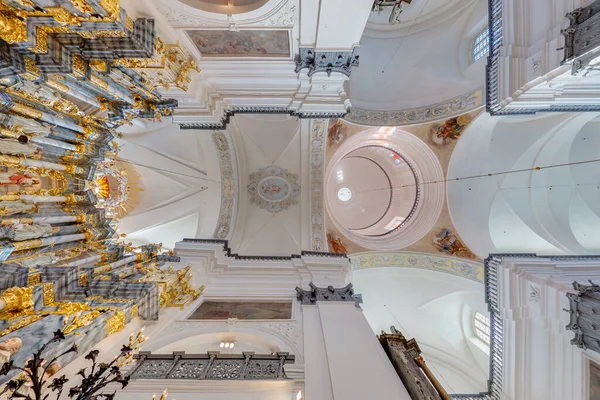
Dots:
{"x": 317, "y": 375}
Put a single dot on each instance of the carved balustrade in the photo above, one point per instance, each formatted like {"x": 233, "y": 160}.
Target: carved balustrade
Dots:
{"x": 211, "y": 366}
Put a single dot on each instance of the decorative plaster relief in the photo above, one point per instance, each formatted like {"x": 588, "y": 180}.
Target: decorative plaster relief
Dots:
{"x": 464, "y": 268}
{"x": 273, "y": 188}
{"x": 285, "y": 16}
{"x": 419, "y": 115}
{"x": 534, "y": 293}
{"x": 228, "y": 185}
{"x": 315, "y": 294}
{"x": 317, "y": 161}
{"x": 241, "y": 43}
{"x": 326, "y": 61}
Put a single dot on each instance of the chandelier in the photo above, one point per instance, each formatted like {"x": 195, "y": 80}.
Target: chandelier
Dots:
{"x": 395, "y": 5}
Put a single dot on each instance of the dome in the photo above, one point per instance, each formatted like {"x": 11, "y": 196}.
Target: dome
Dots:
{"x": 375, "y": 191}
{"x": 228, "y": 7}
{"x": 372, "y": 191}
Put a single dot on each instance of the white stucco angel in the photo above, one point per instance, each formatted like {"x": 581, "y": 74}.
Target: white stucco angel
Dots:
{"x": 31, "y": 126}
{"x": 18, "y": 147}
{"x": 40, "y": 91}
{"x": 35, "y": 231}
{"x": 16, "y": 207}
{"x": 43, "y": 259}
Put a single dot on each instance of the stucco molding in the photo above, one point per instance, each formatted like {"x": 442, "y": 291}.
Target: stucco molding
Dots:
{"x": 463, "y": 268}
{"x": 418, "y": 115}
{"x": 229, "y": 185}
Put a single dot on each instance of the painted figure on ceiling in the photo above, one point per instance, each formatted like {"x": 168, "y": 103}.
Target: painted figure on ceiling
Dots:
{"x": 336, "y": 133}
{"x": 336, "y": 245}
{"x": 447, "y": 242}
{"x": 451, "y": 130}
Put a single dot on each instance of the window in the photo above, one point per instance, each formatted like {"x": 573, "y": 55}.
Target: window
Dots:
{"x": 481, "y": 324}
{"x": 481, "y": 44}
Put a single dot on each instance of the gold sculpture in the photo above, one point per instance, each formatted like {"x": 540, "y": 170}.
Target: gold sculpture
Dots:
{"x": 80, "y": 320}
{"x": 116, "y": 323}
{"x": 16, "y": 301}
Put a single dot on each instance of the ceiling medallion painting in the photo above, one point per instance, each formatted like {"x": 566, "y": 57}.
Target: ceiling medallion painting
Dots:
{"x": 273, "y": 188}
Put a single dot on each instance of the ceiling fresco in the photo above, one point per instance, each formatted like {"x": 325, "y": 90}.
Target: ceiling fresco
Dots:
{"x": 441, "y": 137}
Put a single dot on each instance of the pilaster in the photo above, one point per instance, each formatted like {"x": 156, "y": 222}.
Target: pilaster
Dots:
{"x": 339, "y": 368}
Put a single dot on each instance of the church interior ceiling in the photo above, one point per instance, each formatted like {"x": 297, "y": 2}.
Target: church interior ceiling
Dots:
{"x": 71, "y": 73}
{"x": 98, "y": 181}
{"x": 441, "y": 137}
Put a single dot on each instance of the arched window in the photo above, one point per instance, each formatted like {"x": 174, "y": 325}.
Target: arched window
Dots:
{"x": 481, "y": 44}
{"x": 481, "y": 325}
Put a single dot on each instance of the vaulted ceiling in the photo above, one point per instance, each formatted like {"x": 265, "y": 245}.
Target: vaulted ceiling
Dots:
{"x": 435, "y": 308}
{"x": 179, "y": 179}
{"x": 263, "y": 141}
{"x": 421, "y": 61}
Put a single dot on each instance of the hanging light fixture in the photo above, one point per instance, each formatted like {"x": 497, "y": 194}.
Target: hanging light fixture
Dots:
{"x": 227, "y": 345}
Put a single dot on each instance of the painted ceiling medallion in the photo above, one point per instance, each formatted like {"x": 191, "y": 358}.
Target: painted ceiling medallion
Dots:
{"x": 273, "y": 188}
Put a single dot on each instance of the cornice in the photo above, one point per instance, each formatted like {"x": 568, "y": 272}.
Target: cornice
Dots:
{"x": 225, "y": 119}
{"x": 229, "y": 253}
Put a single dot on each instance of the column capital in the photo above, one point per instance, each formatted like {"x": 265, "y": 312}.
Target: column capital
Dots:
{"x": 310, "y": 297}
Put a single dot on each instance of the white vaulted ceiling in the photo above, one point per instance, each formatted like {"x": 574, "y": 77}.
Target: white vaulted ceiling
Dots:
{"x": 518, "y": 208}
{"x": 437, "y": 310}
{"x": 261, "y": 141}
{"x": 179, "y": 174}
{"x": 422, "y": 60}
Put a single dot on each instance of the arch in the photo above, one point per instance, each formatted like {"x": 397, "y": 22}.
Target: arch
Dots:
{"x": 434, "y": 83}
{"x": 284, "y": 336}
{"x": 519, "y": 208}
{"x": 418, "y": 302}
{"x": 463, "y": 268}
{"x": 219, "y": 7}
